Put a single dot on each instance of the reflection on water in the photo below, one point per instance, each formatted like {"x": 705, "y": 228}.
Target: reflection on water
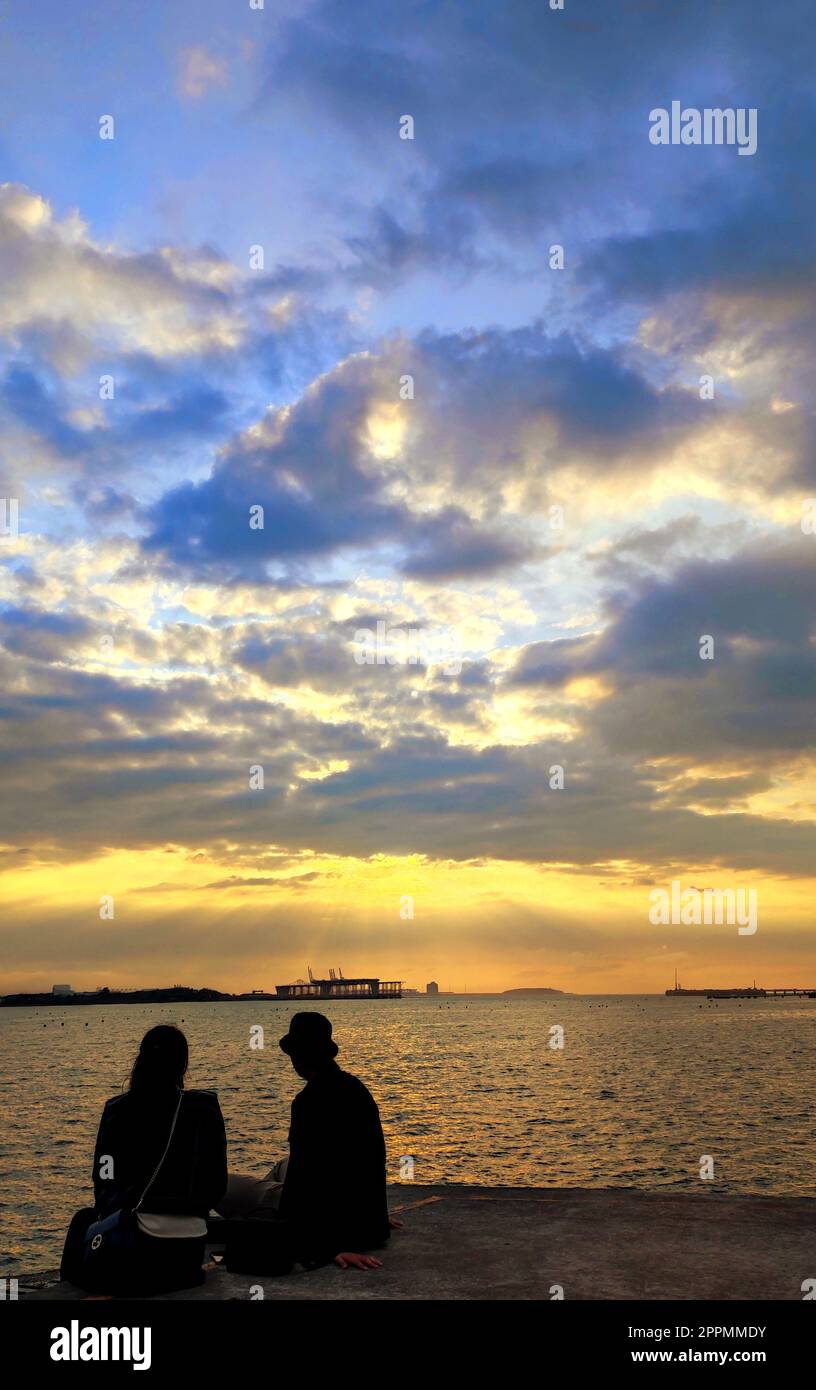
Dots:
{"x": 469, "y": 1087}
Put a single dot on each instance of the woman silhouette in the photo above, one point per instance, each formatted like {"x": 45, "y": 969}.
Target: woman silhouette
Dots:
{"x": 160, "y": 1165}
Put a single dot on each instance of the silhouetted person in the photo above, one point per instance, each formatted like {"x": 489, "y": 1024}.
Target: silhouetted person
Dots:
{"x": 332, "y": 1198}
{"x": 155, "y": 1124}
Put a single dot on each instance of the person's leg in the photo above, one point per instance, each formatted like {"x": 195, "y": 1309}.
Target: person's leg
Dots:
{"x": 277, "y": 1173}
{"x": 242, "y": 1196}
{"x": 276, "y": 1177}
{"x": 246, "y": 1196}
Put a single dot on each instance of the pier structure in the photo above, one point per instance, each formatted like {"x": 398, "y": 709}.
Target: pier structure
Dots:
{"x": 739, "y": 992}
{"x": 782, "y": 993}
{"x": 337, "y": 987}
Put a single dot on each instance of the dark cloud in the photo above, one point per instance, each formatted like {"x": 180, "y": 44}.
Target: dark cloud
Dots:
{"x": 511, "y": 134}
{"x": 755, "y": 694}
{"x": 479, "y": 397}
{"x": 44, "y": 636}
{"x": 451, "y": 546}
{"x": 25, "y": 397}
{"x": 320, "y": 663}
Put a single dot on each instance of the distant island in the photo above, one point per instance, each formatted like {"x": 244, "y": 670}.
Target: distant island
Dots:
{"x": 532, "y": 991}
{"x": 176, "y": 994}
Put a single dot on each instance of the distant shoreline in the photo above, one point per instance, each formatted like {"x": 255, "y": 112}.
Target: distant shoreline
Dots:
{"x": 182, "y": 994}
{"x": 178, "y": 994}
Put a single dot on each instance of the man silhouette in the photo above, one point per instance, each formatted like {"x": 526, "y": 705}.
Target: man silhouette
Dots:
{"x": 330, "y": 1191}
{"x": 333, "y": 1194}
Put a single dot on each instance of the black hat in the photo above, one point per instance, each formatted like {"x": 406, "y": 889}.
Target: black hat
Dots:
{"x": 311, "y": 1034}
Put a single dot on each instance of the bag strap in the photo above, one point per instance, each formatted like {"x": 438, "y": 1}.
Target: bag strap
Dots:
{"x": 158, "y": 1167}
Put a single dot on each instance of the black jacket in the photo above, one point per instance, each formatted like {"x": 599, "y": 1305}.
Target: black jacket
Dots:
{"x": 133, "y": 1133}
{"x": 334, "y": 1196}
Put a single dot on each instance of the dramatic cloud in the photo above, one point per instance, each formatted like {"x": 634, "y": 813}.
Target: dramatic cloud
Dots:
{"x": 525, "y": 400}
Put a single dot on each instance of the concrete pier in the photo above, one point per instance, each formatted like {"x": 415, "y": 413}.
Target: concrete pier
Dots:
{"x": 518, "y": 1243}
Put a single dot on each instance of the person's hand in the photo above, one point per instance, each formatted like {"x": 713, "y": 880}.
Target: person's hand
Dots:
{"x": 395, "y": 1223}
{"x": 347, "y": 1260}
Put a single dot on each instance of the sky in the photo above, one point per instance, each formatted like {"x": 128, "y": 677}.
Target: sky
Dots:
{"x": 388, "y": 332}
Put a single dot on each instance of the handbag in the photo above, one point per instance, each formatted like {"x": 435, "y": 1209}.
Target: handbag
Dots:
{"x": 115, "y": 1243}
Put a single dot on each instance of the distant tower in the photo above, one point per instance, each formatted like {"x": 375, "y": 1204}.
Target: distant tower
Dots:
{"x": 432, "y": 987}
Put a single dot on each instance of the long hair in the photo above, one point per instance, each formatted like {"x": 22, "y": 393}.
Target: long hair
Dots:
{"x": 161, "y": 1062}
